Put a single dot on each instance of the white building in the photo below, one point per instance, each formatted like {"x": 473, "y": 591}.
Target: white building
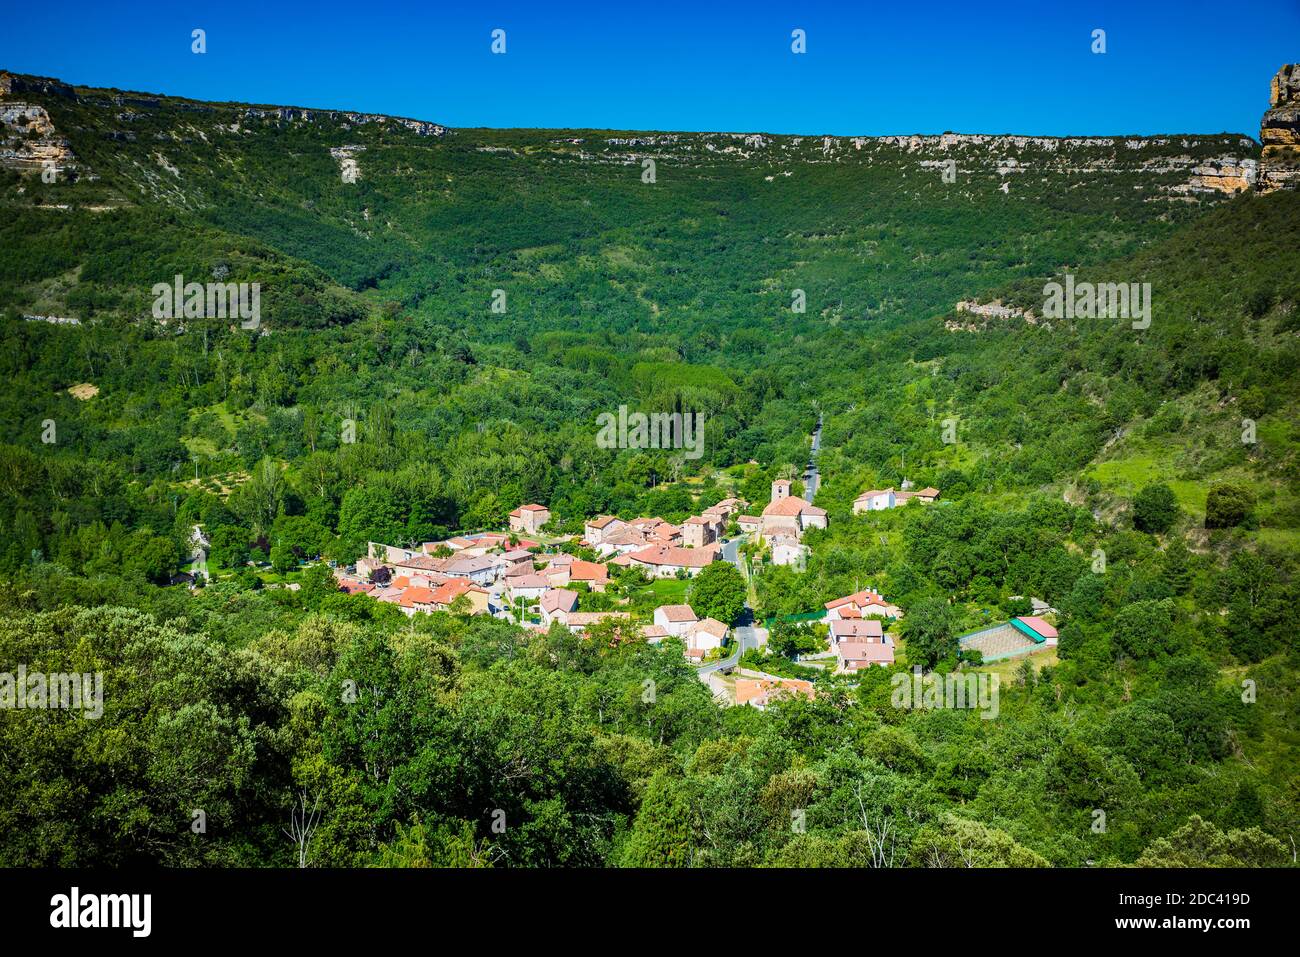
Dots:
{"x": 528, "y": 587}
{"x": 557, "y": 605}
{"x": 675, "y": 619}
{"x": 788, "y": 551}
{"x": 705, "y": 635}
{"x": 875, "y": 500}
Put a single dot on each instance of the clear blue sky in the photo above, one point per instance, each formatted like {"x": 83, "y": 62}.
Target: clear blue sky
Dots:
{"x": 905, "y": 66}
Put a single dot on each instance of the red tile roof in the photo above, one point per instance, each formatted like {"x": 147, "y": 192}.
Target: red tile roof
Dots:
{"x": 582, "y": 618}
{"x": 792, "y": 505}
{"x": 421, "y": 563}
{"x": 678, "y": 612}
{"x": 677, "y": 555}
{"x": 710, "y": 626}
{"x": 557, "y": 599}
{"x": 467, "y": 566}
{"x": 625, "y": 536}
{"x": 864, "y": 597}
{"x": 762, "y": 690}
{"x": 853, "y": 628}
{"x": 416, "y": 595}
{"x": 449, "y": 591}
{"x": 874, "y": 652}
{"x": 1040, "y": 626}
{"x": 873, "y": 492}
{"x": 529, "y": 581}
{"x": 581, "y": 571}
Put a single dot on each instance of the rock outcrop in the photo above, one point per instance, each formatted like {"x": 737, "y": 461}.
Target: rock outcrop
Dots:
{"x": 29, "y": 143}
{"x": 1228, "y": 174}
{"x": 294, "y": 114}
{"x": 12, "y": 84}
{"x": 1279, "y": 132}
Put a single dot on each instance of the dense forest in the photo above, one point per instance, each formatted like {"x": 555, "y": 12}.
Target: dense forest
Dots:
{"x": 471, "y": 302}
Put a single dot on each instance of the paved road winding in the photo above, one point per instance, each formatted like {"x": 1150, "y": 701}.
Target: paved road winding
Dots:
{"x": 811, "y": 477}
{"x": 745, "y": 634}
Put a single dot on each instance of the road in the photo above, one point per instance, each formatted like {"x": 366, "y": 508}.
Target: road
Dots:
{"x": 745, "y": 635}
{"x": 811, "y": 477}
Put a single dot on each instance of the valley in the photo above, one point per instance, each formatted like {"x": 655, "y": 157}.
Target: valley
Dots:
{"x": 913, "y": 437}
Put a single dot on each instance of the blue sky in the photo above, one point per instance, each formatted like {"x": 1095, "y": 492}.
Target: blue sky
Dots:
{"x": 871, "y": 68}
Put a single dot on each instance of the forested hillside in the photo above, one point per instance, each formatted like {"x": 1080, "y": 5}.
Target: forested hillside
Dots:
{"x": 1169, "y": 451}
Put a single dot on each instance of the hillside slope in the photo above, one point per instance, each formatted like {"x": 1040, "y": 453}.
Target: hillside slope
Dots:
{"x": 868, "y": 227}
{"x": 383, "y": 398}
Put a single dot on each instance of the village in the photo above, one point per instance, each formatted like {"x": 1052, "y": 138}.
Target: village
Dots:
{"x": 525, "y": 576}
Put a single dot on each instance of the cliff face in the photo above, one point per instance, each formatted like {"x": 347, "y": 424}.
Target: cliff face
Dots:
{"x": 28, "y": 140}
{"x": 166, "y": 147}
{"x": 1279, "y": 132}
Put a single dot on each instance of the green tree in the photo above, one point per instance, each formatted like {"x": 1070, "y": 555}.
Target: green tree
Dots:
{"x": 1155, "y": 508}
{"x": 1144, "y": 629}
{"x": 282, "y": 558}
{"x": 230, "y": 546}
{"x": 792, "y": 640}
{"x": 368, "y": 513}
{"x": 930, "y": 634}
{"x": 1176, "y": 566}
{"x": 961, "y": 842}
{"x": 718, "y": 591}
{"x": 1228, "y": 505}
{"x": 1198, "y": 843}
{"x": 661, "y": 834}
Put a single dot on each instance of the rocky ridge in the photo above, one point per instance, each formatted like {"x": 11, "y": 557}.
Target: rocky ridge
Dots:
{"x": 1279, "y": 132}
{"x": 1173, "y": 168}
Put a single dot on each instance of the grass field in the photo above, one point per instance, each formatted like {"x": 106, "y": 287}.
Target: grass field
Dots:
{"x": 1127, "y": 476}
{"x": 662, "y": 591}
{"x": 1006, "y": 670}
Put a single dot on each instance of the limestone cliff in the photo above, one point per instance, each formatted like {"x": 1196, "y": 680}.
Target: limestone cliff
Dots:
{"x": 29, "y": 142}
{"x": 1279, "y": 132}
{"x": 187, "y": 138}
